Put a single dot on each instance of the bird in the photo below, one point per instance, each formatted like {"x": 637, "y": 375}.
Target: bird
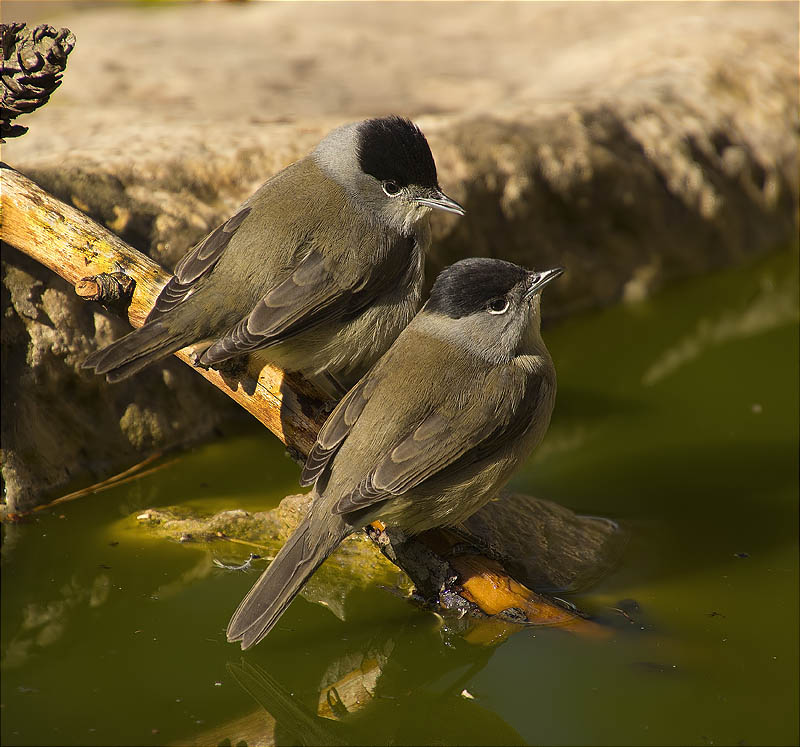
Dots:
{"x": 322, "y": 266}
{"x": 431, "y": 433}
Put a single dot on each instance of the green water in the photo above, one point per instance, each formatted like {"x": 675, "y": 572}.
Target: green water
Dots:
{"x": 678, "y": 417}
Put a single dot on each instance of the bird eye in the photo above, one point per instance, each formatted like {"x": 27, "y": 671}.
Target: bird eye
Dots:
{"x": 497, "y": 306}
{"x": 391, "y": 189}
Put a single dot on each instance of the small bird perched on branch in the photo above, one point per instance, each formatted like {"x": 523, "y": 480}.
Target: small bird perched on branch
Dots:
{"x": 432, "y": 431}
{"x": 323, "y": 265}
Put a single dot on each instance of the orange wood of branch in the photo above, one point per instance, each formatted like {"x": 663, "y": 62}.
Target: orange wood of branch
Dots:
{"x": 485, "y": 583}
{"x": 73, "y": 246}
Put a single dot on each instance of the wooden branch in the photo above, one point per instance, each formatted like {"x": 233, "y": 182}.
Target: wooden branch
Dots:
{"x": 73, "y": 246}
{"x": 87, "y": 255}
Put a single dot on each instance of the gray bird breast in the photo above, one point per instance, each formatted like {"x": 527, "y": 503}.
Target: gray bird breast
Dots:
{"x": 488, "y": 419}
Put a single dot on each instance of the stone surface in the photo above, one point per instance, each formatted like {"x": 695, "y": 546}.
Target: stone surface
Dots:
{"x": 59, "y": 423}
{"x": 633, "y": 143}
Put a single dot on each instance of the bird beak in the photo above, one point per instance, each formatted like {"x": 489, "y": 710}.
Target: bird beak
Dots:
{"x": 537, "y": 280}
{"x": 440, "y": 201}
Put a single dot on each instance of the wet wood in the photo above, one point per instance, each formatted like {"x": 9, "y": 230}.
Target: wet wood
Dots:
{"x": 485, "y": 583}
{"x": 482, "y": 581}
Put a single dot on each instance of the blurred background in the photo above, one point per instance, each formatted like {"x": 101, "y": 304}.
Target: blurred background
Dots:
{"x": 649, "y": 147}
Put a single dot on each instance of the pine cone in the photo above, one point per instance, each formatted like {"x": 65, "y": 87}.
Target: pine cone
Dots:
{"x": 32, "y": 65}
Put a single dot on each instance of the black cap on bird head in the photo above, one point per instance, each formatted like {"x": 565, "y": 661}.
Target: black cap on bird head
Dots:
{"x": 484, "y": 284}
{"x": 394, "y": 149}
{"x": 469, "y": 285}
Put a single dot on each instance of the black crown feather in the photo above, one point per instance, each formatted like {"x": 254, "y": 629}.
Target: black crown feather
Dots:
{"x": 394, "y": 149}
{"x": 467, "y": 286}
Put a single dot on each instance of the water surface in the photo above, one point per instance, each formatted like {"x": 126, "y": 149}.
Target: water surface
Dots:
{"x": 678, "y": 417}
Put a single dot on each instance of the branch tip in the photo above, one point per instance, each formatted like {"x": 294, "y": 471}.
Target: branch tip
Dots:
{"x": 110, "y": 289}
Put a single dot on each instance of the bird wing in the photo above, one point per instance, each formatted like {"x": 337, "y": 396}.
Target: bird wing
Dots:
{"x": 438, "y": 438}
{"x": 196, "y": 264}
{"x": 337, "y": 427}
{"x": 313, "y": 293}
{"x": 435, "y": 443}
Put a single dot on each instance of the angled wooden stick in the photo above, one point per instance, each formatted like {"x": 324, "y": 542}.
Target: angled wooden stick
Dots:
{"x": 75, "y": 247}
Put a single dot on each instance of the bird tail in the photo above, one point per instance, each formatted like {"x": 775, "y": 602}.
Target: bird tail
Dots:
{"x": 313, "y": 541}
{"x": 136, "y": 350}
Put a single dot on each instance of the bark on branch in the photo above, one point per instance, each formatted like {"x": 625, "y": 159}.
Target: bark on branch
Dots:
{"x": 75, "y": 247}
{"x": 87, "y": 255}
